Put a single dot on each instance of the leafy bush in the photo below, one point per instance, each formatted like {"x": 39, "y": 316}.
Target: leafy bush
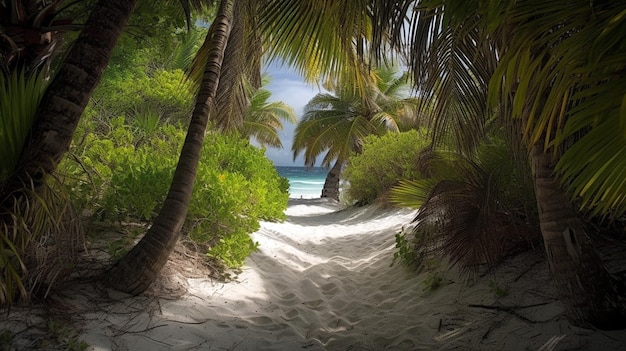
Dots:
{"x": 385, "y": 161}
{"x": 474, "y": 209}
{"x": 164, "y": 93}
{"x": 119, "y": 178}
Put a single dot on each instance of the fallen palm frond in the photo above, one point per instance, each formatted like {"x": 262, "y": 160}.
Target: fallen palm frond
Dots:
{"x": 466, "y": 209}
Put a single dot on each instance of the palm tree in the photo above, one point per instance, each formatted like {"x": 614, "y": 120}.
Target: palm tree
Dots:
{"x": 30, "y": 35}
{"x": 68, "y": 93}
{"x": 534, "y": 61}
{"x": 238, "y": 76}
{"x": 337, "y": 124}
{"x": 573, "y": 103}
{"x": 135, "y": 271}
{"x": 263, "y": 119}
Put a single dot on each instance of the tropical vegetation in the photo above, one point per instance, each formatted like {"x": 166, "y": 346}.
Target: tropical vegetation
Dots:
{"x": 545, "y": 79}
{"x": 336, "y": 124}
{"x": 385, "y": 160}
{"x": 544, "y": 73}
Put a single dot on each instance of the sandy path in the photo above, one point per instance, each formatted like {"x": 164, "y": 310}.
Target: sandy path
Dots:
{"x": 322, "y": 281}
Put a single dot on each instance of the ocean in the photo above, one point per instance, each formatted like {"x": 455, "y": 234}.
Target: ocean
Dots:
{"x": 305, "y": 183}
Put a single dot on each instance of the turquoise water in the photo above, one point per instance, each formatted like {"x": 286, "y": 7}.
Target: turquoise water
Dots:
{"x": 305, "y": 183}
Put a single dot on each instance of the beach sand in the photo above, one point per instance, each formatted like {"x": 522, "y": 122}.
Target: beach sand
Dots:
{"x": 323, "y": 280}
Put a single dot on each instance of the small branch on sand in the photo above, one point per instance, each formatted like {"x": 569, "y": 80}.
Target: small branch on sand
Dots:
{"x": 528, "y": 270}
{"x": 122, "y": 332}
{"x": 510, "y": 310}
{"x": 494, "y": 326}
{"x": 195, "y": 322}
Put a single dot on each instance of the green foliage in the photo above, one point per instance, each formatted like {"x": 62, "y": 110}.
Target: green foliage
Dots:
{"x": 119, "y": 247}
{"x": 234, "y": 249}
{"x": 433, "y": 281}
{"x": 336, "y": 124}
{"x": 435, "y": 276}
{"x": 20, "y": 94}
{"x": 472, "y": 209}
{"x": 120, "y": 175}
{"x": 38, "y": 242}
{"x": 385, "y": 161}
{"x": 405, "y": 253}
{"x": 136, "y": 92}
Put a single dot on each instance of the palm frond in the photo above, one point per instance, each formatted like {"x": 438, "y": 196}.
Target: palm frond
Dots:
{"x": 570, "y": 88}
{"x": 320, "y": 39}
{"x": 20, "y": 94}
{"x": 465, "y": 210}
{"x": 411, "y": 193}
{"x": 451, "y": 61}
{"x": 264, "y": 119}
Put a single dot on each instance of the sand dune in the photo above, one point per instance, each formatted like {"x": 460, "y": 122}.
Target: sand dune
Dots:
{"x": 322, "y": 280}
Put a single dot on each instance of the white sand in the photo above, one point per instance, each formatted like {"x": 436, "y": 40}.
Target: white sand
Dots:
{"x": 322, "y": 281}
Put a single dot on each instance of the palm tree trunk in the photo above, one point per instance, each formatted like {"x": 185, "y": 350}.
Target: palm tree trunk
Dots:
{"x": 331, "y": 185}
{"x": 138, "y": 269}
{"x": 67, "y": 95}
{"x": 589, "y": 293}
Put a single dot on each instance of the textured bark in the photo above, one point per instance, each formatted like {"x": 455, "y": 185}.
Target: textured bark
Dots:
{"x": 590, "y": 295}
{"x": 244, "y": 51}
{"x": 67, "y": 95}
{"x": 138, "y": 269}
{"x": 331, "y": 185}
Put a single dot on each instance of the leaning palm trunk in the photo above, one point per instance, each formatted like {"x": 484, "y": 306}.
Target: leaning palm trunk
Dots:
{"x": 589, "y": 293}
{"x": 138, "y": 269}
{"x": 27, "y": 216}
{"x": 331, "y": 185}
{"x": 68, "y": 94}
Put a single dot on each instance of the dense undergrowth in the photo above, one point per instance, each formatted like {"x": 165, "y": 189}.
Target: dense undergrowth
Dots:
{"x": 473, "y": 208}
{"x": 123, "y": 174}
{"x": 384, "y": 161}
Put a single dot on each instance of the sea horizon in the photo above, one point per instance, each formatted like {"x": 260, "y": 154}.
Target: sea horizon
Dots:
{"x": 304, "y": 182}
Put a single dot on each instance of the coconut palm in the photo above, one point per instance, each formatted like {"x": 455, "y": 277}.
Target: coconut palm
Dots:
{"x": 551, "y": 70}
{"x": 238, "y": 75}
{"x": 27, "y": 44}
{"x": 135, "y": 271}
{"x": 264, "y": 119}
{"x": 336, "y": 124}
{"x": 69, "y": 91}
{"x": 572, "y": 96}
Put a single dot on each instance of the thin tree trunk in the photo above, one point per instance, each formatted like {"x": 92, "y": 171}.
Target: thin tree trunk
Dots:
{"x": 331, "y": 185}
{"x": 589, "y": 293}
{"x": 138, "y": 269}
{"x": 67, "y": 95}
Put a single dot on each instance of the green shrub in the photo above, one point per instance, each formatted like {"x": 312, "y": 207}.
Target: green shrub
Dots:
{"x": 119, "y": 179}
{"x": 134, "y": 92}
{"x": 385, "y": 161}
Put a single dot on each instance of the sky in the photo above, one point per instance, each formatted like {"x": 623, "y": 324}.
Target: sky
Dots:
{"x": 288, "y": 87}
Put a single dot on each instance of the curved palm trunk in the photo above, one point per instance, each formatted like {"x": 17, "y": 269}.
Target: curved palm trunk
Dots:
{"x": 134, "y": 272}
{"x": 67, "y": 95}
{"x": 331, "y": 185}
{"x": 589, "y": 293}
